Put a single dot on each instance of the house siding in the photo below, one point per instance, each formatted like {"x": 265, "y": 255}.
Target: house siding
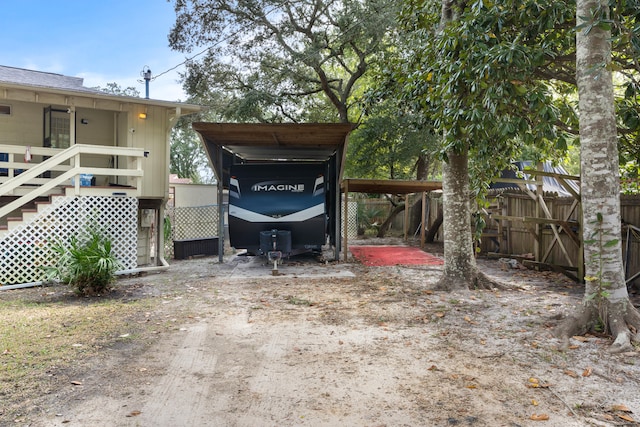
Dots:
{"x": 23, "y": 126}
{"x": 110, "y": 121}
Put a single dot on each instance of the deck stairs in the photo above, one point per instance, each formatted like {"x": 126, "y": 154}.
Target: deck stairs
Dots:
{"x": 38, "y": 206}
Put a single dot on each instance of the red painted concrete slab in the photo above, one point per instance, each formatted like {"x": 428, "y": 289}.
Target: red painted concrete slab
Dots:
{"x": 393, "y": 255}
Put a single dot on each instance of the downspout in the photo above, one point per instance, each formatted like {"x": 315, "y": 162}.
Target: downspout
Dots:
{"x": 21, "y": 286}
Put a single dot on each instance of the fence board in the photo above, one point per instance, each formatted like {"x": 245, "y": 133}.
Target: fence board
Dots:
{"x": 509, "y": 224}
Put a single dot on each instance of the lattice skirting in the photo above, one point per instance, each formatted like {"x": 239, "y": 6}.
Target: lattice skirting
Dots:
{"x": 28, "y": 247}
{"x": 199, "y": 222}
{"x": 352, "y": 220}
{"x": 192, "y": 222}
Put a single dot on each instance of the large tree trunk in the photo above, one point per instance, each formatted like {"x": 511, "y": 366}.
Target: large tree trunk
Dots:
{"x": 460, "y": 270}
{"x": 606, "y": 302}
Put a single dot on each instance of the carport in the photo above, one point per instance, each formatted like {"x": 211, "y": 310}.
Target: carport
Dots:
{"x": 233, "y": 143}
{"x": 389, "y": 186}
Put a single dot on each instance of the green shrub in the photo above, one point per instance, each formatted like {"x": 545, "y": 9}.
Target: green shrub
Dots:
{"x": 88, "y": 266}
{"x": 367, "y": 218}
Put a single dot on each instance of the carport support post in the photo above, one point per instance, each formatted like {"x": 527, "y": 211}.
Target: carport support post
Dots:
{"x": 220, "y": 210}
{"x": 422, "y": 228}
{"x": 344, "y": 219}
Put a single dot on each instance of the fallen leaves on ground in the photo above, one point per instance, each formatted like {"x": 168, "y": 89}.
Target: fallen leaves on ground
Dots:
{"x": 540, "y": 417}
{"x": 535, "y": 383}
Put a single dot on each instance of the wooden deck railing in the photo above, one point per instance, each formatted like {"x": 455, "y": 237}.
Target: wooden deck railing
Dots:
{"x": 27, "y": 177}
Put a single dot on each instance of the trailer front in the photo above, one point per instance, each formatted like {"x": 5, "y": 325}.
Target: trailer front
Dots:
{"x": 277, "y": 207}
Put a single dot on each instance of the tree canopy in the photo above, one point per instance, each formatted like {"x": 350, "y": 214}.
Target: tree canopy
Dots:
{"x": 483, "y": 79}
{"x": 115, "y": 89}
{"x": 187, "y": 158}
{"x": 282, "y": 61}
{"x": 493, "y": 74}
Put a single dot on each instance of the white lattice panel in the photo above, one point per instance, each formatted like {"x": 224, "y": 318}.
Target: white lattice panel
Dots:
{"x": 28, "y": 247}
{"x": 352, "y": 220}
{"x": 195, "y": 222}
{"x": 192, "y": 222}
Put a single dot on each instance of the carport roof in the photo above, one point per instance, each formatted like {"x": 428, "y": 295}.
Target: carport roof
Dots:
{"x": 276, "y": 141}
{"x": 272, "y": 142}
{"x": 389, "y": 186}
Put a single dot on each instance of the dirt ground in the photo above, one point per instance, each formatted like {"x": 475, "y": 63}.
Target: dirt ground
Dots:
{"x": 327, "y": 344}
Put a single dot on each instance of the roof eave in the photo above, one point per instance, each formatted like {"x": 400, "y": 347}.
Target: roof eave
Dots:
{"x": 185, "y": 108}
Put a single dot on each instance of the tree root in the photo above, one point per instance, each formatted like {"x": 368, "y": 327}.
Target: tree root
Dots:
{"x": 484, "y": 282}
{"x": 622, "y": 321}
{"x": 477, "y": 280}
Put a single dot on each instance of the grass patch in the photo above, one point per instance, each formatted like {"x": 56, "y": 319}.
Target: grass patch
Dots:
{"x": 40, "y": 340}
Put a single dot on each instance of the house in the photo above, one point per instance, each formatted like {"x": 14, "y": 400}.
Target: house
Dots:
{"x": 72, "y": 158}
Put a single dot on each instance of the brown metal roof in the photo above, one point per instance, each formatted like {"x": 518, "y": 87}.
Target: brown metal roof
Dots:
{"x": 276, "y": 141}
{"x": 389, "y": 186}
{"x": 295, "y": 141}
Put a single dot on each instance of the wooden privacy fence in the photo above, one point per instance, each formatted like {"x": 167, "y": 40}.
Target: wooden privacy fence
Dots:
{"x": 543, "y": 229}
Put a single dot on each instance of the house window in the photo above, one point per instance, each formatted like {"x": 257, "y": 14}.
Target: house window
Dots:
{"x": 5, "y": 110}
{"x": 57, "y": 128}
{"x": 60, "y": 135}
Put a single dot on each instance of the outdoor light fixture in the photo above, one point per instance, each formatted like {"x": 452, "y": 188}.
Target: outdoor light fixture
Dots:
{"x": 142, "y": 116}
{"x": 84, "y": 121}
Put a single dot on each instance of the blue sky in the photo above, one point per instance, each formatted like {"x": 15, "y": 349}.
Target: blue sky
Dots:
{"x": 101, "y": 41}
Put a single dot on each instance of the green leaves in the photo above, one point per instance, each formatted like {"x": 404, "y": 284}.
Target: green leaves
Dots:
{"x": 282, "y": 61}
{"x": 480, "y": 86}
{"x": 88, "y": 265}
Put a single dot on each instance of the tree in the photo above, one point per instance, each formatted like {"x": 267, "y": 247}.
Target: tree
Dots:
{"x": 471, "y": 68}
{"x": 187, "y": 158}
{"x": 606, "y": 304}
{"x": 282, "y": 61}
{"x": 390, "y": 143}
{"x": 115, "y": 89}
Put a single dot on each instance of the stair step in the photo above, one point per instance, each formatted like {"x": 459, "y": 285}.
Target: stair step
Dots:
{"x": 33, "y": 208}
{"x": 103, "y": 191}
{"x": 29, "y": 214}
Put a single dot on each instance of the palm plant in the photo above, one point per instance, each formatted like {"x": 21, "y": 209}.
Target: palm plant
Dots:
{"x": 88, "y": 266}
